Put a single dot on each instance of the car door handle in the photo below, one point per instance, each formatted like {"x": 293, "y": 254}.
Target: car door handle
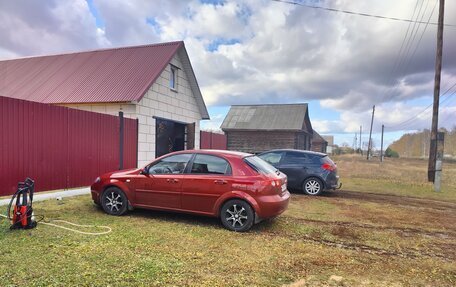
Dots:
{"x": 172, "y": 180}
{"x": 219, "y": 181}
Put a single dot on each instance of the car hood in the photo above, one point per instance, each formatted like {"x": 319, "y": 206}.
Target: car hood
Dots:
{"x": 121, "y": 173}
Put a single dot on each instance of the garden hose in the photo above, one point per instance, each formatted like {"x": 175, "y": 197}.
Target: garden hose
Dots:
{"x": 107, "y": 228}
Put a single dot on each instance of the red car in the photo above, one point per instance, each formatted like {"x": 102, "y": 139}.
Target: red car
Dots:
{"x": 240, "y": 188}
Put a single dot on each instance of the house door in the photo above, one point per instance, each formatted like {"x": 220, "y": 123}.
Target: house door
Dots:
{"x": 169, "y": 137}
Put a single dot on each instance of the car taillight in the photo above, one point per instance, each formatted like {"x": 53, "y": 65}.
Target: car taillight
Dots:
{"x": 275, "y": 182}
{"x": 327, "y": 166}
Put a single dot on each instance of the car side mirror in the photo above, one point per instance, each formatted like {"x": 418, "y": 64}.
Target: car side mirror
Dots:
{"x": 143, "y": 171}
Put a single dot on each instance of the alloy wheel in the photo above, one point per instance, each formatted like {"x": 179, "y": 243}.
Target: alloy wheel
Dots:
{"x": 312, "y": 187}
{"x": 114, "y": 201}
{"x": 236, "y": 216}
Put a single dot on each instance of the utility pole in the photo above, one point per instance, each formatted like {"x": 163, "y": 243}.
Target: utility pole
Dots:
{"x": 360, "y": 144}
{"x": 355, "y": 142}
{"x": 438, "y": 162}
{"x": 435, "y": 109}
{"x": 381, "y": 145}
{"x": 370, "y": 133}
{"x": 424, "y": 144}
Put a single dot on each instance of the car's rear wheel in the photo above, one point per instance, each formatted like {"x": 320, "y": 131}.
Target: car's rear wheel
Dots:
{"x": 312, "y": 186}
{"x": 237, "y": 215}
{"x": 114, "y": 201}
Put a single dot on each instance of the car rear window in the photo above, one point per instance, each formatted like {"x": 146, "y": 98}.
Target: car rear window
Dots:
{"x": 272, "y": 158}
{"x": 259, "y": 165}
{"x": 327, "y": 160}
{"x": 299, "y": 158}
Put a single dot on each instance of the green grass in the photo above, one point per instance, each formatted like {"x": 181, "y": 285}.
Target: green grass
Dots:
{"x": 162, "y": 249}
{"x": 404, "y": 177}
{"x": 370, "y": 239}
{"x": 396, "y": 188}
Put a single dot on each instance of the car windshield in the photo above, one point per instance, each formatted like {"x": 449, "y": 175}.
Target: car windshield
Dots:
{"x": 260, "y": 165}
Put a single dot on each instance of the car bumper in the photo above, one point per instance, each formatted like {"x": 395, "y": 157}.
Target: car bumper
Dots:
{"x": 95, "y": 192}
{"x": 95, "y": 196}
{"x": 272, "y": 205}
{"x": 333, "y": 182}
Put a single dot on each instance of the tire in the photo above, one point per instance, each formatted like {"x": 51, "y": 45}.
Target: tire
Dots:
{"x": 312, "y": 186}
{"x": 237, "y": 215}
{"x": 114, "y": 201}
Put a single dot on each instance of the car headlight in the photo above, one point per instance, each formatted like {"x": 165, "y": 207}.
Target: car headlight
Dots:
{"x": 97, "y": 180}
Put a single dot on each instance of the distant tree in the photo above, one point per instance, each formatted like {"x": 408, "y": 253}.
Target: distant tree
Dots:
{"x": 336, "y": 150}
{"x": 391, "y": 153}
{"x": 417, "y": 144}
{"x": 343, "y": 149}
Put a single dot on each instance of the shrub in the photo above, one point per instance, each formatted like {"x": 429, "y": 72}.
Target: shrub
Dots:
{"x": 391, "y": 153}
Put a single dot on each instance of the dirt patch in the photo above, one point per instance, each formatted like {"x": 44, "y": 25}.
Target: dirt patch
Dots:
{"x": 380, "y": 224}
{"x": 345, "y": 232}
{"x": 404, "y": 230}
{"x": 415, "y": 215}
{"x": 393, "y": 199}
{"x": 410, "y": 253}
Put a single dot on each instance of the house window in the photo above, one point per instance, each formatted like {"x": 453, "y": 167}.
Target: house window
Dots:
{"x": 173, "y": 78}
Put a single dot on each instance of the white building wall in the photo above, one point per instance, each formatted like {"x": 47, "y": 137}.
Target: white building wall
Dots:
{"x": 163, "y": 102}
{"x": 159, "y": 101}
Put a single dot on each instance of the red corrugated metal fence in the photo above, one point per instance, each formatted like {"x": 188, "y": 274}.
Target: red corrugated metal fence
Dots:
{"x": 59, "y": 147}
{"x": 210, "y": 140}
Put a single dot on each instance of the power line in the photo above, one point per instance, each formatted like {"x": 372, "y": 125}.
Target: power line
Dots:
{"x": 449, "y": 116}
{"x": 408, "y": 121}
{"x": 410, "y": 43}
{"x": 422, "y": 34}
{"x": 396, "y": 62}
{"x": 399, "y": 60}
{"x": 411, "y": 39}
{"x": 356, "y": 13}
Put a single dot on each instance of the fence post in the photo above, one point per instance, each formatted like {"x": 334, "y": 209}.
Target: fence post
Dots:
{"x": 137, "y": 142}
{"x": 121, "y": 139}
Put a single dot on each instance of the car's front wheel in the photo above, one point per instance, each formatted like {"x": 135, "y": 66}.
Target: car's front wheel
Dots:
{"x": 237, "y": 215}
{"x": 114, "y": 201}
{"x": 312, "y": 186}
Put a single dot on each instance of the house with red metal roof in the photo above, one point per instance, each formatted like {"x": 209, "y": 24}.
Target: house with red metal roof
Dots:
{"x": 152, "y": 83}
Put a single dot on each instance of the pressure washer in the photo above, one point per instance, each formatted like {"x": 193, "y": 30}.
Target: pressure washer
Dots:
{"x": 20, "y": 210}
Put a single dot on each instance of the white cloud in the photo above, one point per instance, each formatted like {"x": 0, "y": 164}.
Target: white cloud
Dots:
{"x": 30, "y": 28}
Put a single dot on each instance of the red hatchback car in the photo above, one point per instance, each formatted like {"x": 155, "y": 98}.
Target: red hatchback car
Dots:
{"x": 240, "y": 188}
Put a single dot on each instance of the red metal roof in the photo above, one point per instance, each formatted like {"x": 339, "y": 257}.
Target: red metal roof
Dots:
{"x": 110, "y": 75}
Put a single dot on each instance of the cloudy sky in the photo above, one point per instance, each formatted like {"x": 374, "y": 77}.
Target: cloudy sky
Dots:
{"x": 263, "y": 51}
